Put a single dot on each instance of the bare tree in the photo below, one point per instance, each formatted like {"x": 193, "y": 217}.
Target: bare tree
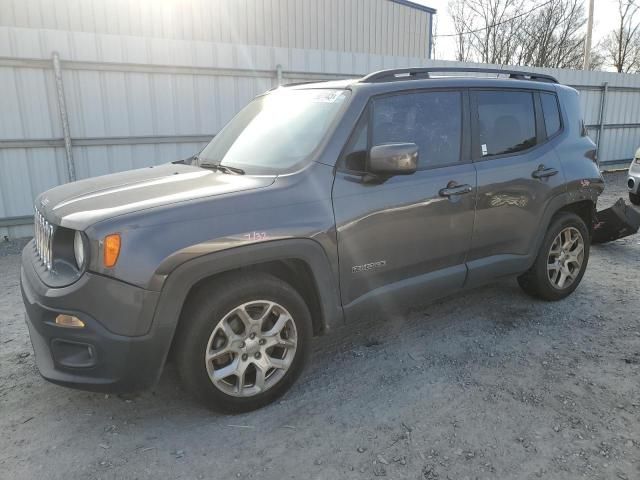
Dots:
{"x": 520, "y": 32}
{"x": 486, "y": 30}
{"x": 622, "y": 46}
{"x": 552, "y": 36}
{"x": 462, "y": 24}
{"x": 598, "y": 59}
{"x": 497, "y": 39}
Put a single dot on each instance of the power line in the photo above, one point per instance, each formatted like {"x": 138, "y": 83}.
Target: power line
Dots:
{"x": 496, "y": 24}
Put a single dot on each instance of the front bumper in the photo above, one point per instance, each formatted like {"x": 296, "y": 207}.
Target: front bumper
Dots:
{"x": 98, "y": 357}
{"x": 633, "y": 183}
{"x": 633, "y": 180}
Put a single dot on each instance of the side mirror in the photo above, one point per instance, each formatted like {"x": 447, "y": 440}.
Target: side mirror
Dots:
{"x": 393, "y": 159}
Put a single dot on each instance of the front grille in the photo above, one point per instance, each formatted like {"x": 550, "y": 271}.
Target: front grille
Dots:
{"x": 44, "y": 240}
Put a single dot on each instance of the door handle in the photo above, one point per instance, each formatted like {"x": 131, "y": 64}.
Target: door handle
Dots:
{"x": 543, "y": 172}
{"x": 453, "y": 190}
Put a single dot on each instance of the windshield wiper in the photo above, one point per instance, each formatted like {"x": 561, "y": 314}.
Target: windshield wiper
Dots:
{"x": 221, "y": 168}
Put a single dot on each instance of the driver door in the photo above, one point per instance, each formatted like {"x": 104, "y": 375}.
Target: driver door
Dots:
{"x": 405, "y": 238}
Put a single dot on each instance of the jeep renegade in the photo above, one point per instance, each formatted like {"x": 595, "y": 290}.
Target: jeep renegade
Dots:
{"x": 316, "y": 203}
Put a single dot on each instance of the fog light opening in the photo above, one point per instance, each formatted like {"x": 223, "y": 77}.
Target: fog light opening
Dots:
{"x": 631, "y": 183}
{"x": 69, "y": 321}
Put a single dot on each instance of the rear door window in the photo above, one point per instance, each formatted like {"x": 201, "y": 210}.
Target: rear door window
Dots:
{"x": 506, "y": 122}
{"x": 551, "y": 113}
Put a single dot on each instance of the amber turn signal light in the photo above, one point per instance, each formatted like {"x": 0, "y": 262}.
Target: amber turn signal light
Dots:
{"x": 69, "y": 321}
{"x": 111, "y": 248}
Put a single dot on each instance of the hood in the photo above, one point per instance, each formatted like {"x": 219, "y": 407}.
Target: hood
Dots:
{"x": 80, "y": 204}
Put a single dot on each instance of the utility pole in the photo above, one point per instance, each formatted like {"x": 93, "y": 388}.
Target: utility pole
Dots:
{"x": 587, "y": 43}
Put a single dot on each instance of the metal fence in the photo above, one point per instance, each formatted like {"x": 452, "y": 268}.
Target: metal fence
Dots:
{"x": 107, "y": 103}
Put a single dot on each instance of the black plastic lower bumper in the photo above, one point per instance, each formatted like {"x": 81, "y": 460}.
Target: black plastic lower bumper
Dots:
{"x": 93, "y": 357}
{"x": 617, "y": 221}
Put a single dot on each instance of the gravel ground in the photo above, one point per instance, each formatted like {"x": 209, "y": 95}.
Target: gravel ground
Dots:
{"x": 489, "y": 385}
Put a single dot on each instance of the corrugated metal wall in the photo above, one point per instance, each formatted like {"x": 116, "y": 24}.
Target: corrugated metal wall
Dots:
{"x": 134, "y": 100}
{"x": 367, "y": 26}
{"x": 149, "y": 81}
{"x": 131, "y": 101}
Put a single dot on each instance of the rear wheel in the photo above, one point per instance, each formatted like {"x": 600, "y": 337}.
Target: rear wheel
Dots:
{"x": 634, "y": 198}
{"x": 243, "y": 341}
{"x": 561, "y": 261}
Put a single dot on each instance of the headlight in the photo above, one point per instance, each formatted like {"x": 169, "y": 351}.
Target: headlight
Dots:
{"x": 79, "y": 249}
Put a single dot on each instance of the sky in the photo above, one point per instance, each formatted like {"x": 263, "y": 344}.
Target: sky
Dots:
{"x": 605, "y": 19}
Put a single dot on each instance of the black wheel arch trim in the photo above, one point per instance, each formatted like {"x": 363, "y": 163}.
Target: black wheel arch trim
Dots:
{"x": 183, "y": 278}
{"x": 557, "y": 204}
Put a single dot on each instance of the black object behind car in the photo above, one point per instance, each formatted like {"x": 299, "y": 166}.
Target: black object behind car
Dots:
{"x": 617, "y": 221}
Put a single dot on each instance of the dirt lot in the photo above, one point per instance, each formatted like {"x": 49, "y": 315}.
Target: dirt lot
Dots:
{"x": 490, "y": 385}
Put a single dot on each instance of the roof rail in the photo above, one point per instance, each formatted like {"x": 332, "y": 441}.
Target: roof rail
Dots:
{"x": 421, "y": 73}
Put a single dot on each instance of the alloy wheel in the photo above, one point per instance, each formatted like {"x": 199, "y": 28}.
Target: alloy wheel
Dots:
{"x": 565, "y": 258}
{"x": 251, "y": 348}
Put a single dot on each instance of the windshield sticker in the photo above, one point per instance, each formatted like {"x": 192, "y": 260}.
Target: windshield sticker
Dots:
{"x": 327, "y": 96}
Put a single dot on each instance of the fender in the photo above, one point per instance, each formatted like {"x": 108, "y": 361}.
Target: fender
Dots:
{"x": 482, "y": 270}
{"x": 575, "y": 193}
{"x": 554, "y": 206}
{"x": 179, "y": 282}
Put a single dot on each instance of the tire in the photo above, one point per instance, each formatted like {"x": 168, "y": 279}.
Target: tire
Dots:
{"x": 215, "y": 322}
{"x": 545, "y": 282}
{"x": 634, "y": 198}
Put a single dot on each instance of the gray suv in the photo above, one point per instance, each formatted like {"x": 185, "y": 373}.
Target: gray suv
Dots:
{"x": 633, "y": 181}
{"x": 316, "y": 203}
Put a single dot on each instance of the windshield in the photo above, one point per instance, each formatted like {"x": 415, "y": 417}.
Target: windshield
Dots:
{"x": 276, "y": 132}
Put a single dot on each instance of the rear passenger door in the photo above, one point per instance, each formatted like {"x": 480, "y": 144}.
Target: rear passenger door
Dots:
{"x": 518, "y": 174}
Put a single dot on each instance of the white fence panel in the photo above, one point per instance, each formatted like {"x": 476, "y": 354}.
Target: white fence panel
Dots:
{"x": 139, "y": 101}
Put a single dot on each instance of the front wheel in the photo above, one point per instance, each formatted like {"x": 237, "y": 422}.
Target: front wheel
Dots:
{"x": 561, "y": 261}
{"x": 634, "y": 198}
{"x": 243, "y": 341}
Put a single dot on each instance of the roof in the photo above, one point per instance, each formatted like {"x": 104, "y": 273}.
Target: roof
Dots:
{"x": 326, "y": 84}
{"x": 376, "y": 88}
{"x": 415, "y": 73}
{"x": 422, "y": 76}
{"x": 415, "y": 5}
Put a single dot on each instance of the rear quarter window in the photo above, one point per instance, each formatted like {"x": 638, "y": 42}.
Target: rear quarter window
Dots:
{"x": 551, "y": 113}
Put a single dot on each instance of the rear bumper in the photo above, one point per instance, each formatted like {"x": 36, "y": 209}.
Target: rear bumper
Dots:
{"x": 94, "y": 357}
{"x": 617, "y": 221}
